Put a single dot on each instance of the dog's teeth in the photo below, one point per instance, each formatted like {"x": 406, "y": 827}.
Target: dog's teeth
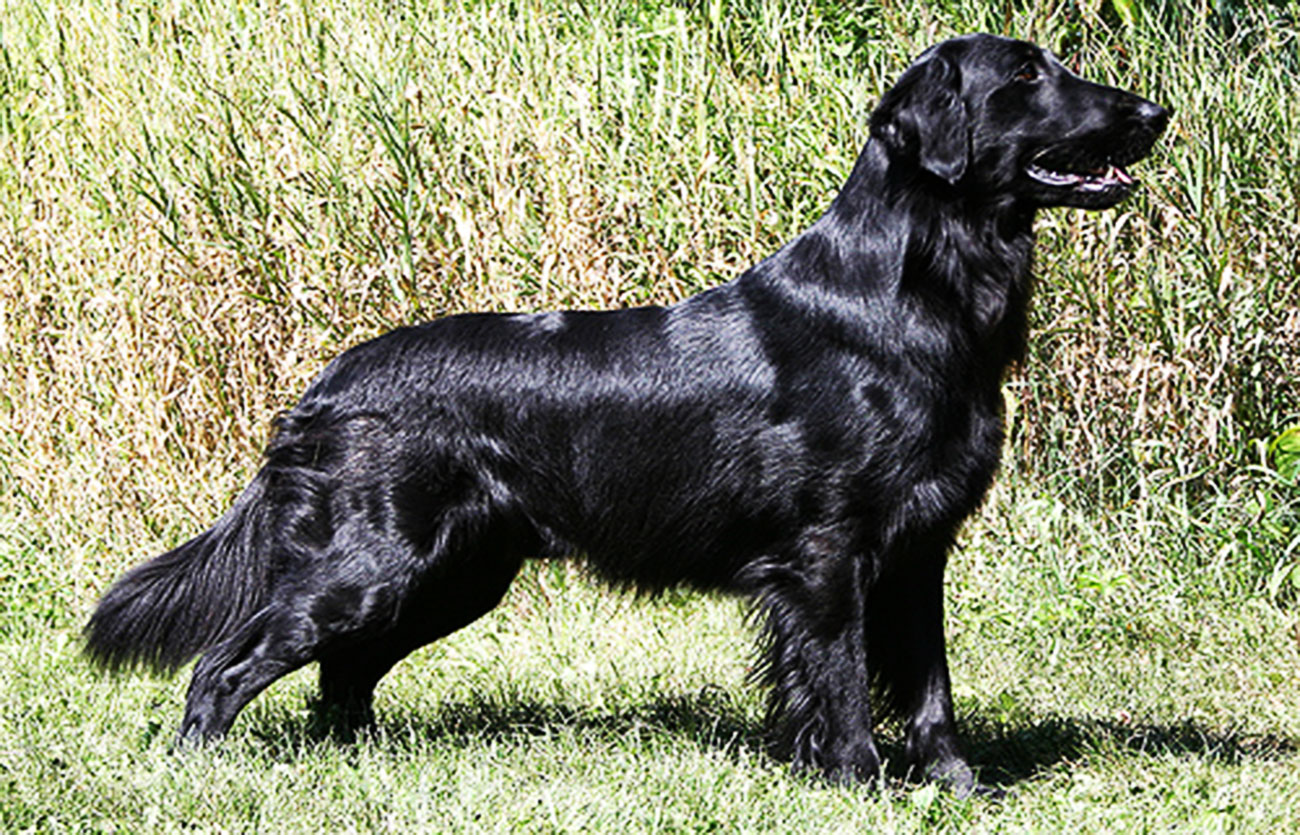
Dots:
{"x": 1096, "y": 179}
{"x": 1054, "y": 178}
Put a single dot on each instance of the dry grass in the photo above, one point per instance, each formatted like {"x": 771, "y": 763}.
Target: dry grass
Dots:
{"x": 201, "y": 205}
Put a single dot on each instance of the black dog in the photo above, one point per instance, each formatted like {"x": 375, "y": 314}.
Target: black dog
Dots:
{"x": 810, "y": 434}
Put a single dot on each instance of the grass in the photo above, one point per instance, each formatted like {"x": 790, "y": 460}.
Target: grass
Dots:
{"x": 1098, "y": 705}
{"x": 201, "y": 202}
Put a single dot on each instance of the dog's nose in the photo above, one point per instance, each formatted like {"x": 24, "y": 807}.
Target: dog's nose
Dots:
{"x": 1157, "y": 116}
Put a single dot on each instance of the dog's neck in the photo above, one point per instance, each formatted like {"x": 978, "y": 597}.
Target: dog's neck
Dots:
{"x": 897, "y": 236}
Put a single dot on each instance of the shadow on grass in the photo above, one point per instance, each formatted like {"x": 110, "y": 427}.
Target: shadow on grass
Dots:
{"x": 710, "y": 718}
{"x": 1010, "y": 754}
{"x": 1004, "y": 754}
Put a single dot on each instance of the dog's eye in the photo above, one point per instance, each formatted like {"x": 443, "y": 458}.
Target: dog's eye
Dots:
{"x": 1028, "y": 72}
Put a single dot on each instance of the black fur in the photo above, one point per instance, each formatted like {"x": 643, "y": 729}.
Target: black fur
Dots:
{"x": 810, "y": 434}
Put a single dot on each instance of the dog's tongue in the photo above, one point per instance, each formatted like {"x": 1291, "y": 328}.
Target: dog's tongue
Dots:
{"x": 1121, "y": 175}
{"x": 1108, "y": 175}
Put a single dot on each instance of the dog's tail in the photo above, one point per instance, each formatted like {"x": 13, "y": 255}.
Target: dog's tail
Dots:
{"x": 162, "y": 613}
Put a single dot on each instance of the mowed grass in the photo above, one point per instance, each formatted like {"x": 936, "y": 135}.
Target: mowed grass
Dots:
{"x": 201, "y": 202}
{"x": 572, "y": 709}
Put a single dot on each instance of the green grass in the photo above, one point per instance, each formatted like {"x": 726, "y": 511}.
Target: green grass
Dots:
{"x": 1099, "y": 706}
{"x": 201, "y": 202}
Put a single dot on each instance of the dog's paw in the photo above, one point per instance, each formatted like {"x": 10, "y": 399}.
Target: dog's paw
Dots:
{"x": 956, "y": 775}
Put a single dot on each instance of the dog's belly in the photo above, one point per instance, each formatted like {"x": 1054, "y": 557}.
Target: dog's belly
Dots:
{"x": 654, "y": 500}
{"x": 666, "y": 494}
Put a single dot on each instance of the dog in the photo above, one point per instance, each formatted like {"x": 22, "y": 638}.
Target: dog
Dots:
{"x": 809, "y": 435}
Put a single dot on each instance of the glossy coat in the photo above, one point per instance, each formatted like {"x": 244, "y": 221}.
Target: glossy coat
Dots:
{"x": 811, "y": 435}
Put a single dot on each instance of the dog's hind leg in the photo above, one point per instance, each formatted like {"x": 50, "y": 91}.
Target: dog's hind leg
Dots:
{"x": 463, "y": 589}
{"x": 348, "y": 677}
{"x": 359, "y": 602}
{"x": 332, "y": 601}
{"x": 271, "y": 644}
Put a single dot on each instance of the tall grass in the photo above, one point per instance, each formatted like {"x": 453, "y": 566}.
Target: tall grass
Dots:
{"x": 204, "y": 201}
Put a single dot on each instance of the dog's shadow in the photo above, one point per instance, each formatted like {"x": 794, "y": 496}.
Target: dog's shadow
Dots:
{"x": 709, "y": 718}
{"x": 1009, "y": 754}
{"x": 1005, "y": 754}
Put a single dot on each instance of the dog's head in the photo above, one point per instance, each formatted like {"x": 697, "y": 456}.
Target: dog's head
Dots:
{"x": 1004, "y": 117}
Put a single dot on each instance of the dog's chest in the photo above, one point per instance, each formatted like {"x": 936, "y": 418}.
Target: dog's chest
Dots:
{"x": 926, "y": 461}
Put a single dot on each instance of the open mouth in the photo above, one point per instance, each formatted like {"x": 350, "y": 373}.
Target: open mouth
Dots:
{"x": 1086, "y": 168}
{"x": 1099, "y": 178}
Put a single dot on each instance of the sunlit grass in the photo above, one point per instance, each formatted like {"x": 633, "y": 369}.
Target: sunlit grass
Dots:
{"x": 568, "y": 708}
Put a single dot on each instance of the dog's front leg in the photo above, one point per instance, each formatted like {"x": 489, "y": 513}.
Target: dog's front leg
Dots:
{"x": 908, "y": 659}
{"x": 819, "y": 709}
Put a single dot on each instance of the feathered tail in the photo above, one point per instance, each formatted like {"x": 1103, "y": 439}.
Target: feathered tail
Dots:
{"x": 163, "y": 613}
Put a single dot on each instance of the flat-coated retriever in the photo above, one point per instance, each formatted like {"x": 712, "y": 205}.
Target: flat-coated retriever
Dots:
{"x": 810, "y": 434}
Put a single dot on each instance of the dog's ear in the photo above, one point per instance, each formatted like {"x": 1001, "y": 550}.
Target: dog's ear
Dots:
{"x": 922, "y": 118}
